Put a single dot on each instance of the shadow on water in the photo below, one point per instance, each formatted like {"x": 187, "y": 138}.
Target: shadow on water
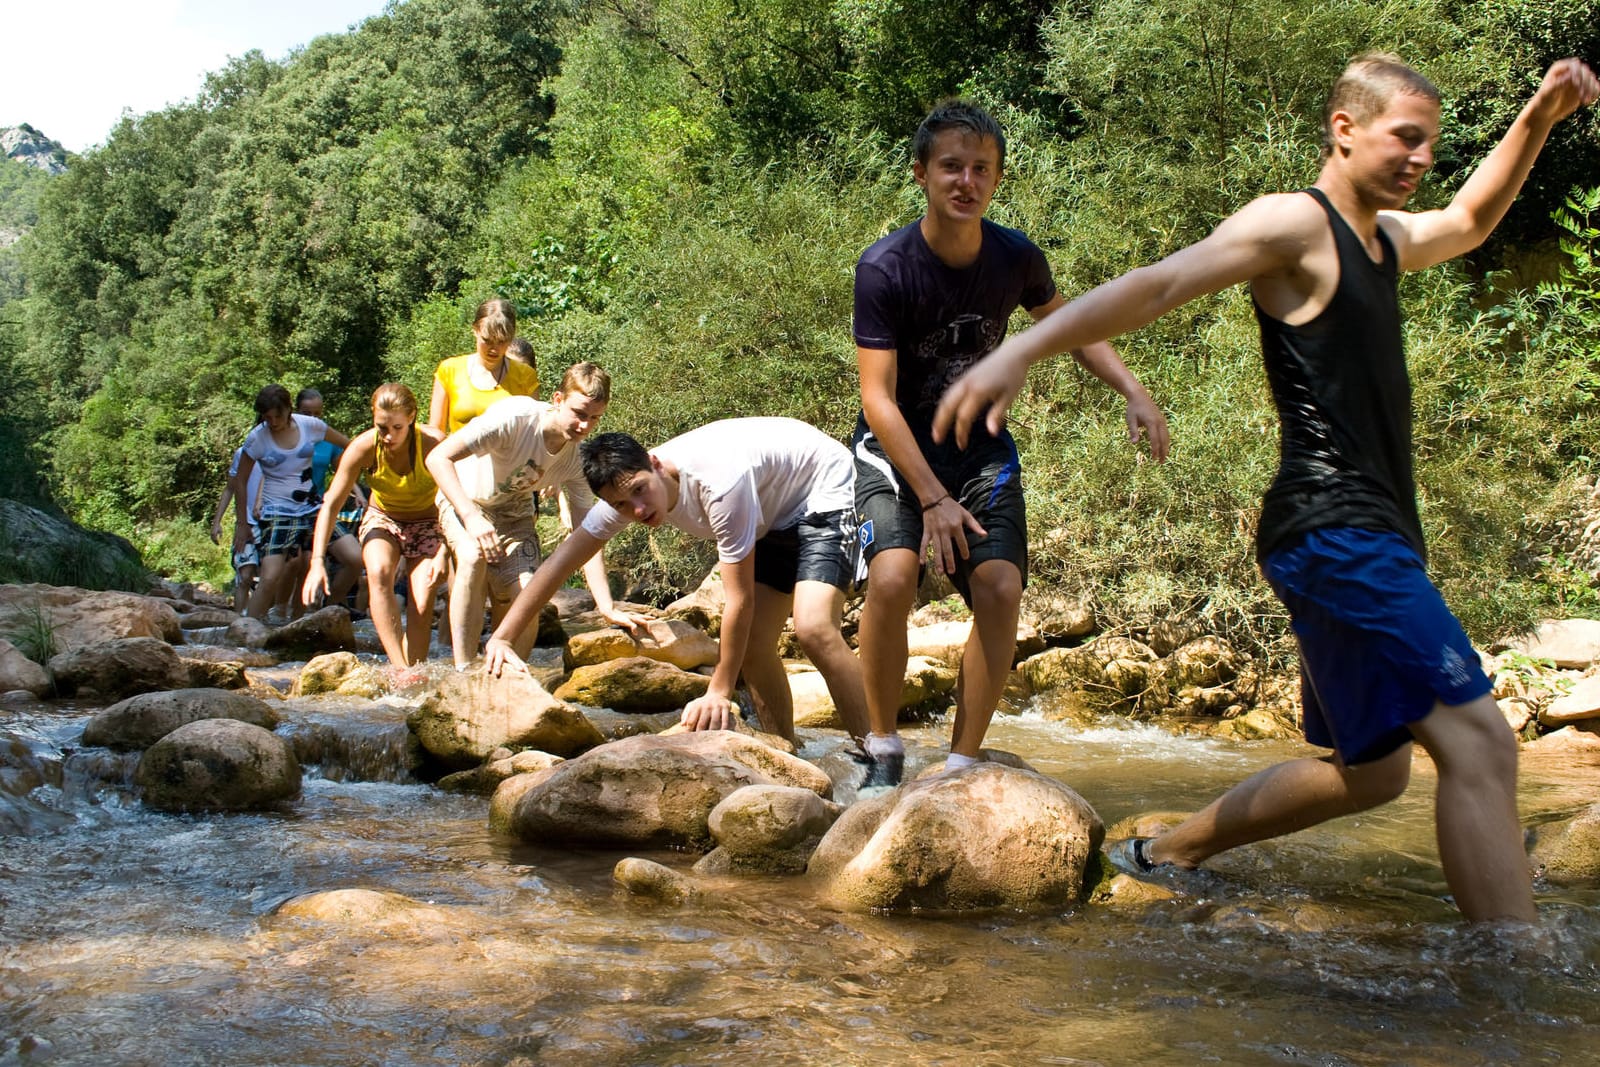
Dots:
{"x": 132, "y": 937}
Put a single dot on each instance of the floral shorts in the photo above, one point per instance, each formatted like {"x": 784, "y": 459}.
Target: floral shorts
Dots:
{"x": 418, "y": 539}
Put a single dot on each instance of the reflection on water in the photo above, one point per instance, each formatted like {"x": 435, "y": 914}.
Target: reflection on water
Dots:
{"x": 132, "y": 937}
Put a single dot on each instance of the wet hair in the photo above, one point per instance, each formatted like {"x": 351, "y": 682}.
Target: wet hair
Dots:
{"x": 272, "y": 398}
{"x": 520, "y": 350}
{"x": 496, "y": 320}
{"x": 588, "y": 379}
{"x": 609, "y": 456}
{"x": 306, "y": 396}
{"x": 1367, "y": 86}
{"x": 957, "y": 115}
{"x": 394, "y": 396}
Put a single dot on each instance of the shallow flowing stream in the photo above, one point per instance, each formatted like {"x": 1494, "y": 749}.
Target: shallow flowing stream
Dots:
{"x": 131, "y": 937}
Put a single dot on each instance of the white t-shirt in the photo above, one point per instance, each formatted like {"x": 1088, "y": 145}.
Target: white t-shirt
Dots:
{"x": 739, "y": 479}
{"x": 286, "y": 487}
{"x": 252, "y": 489}
{"x": 509, "y": 463}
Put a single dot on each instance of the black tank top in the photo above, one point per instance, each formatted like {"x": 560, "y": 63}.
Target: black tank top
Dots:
{"x": 1344, "y": 405}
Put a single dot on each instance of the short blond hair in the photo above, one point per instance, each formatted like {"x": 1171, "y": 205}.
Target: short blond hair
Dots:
{"x": 588, "y": 379}
{"x": 1367, "y": 86}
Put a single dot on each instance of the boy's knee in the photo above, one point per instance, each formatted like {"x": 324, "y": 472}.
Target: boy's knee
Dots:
{"x": 996, "y": 584}
{"x": 816, "y": 634}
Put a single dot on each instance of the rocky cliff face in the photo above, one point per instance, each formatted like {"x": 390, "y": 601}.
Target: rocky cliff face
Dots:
{"x": 27, "y": 145}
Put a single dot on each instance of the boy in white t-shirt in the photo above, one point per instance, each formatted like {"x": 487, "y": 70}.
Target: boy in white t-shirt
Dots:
{"x": 488, "y": 473}
{"x": 777, "y": 496}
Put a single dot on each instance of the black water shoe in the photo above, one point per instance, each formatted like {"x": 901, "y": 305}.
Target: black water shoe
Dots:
{"x": 1131, "y": 856}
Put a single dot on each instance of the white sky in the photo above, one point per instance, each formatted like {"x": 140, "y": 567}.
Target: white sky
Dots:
{"x": 71, "y": 67}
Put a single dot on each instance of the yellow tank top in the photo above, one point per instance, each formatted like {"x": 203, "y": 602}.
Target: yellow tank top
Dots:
{"x": 394, "y": 493}
{"x": 467, "y": 401}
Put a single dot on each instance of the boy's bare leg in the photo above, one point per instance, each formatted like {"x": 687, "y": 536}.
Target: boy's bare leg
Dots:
{"x": 466, "y": 606}
{"x": 1279, "y": 800}
{"x": 986, "y": 661}
{"x": 1480, "y": 837}
{"x": 818, "y": 610}
{"x": 763, "y": 669}
{"x": 891, "y": 593}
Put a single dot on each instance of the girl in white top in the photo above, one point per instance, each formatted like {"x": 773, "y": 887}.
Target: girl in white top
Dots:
{"x": 282, "y": 444}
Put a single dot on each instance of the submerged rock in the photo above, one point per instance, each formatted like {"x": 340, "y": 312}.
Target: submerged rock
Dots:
{"x": 362, "y": 910}
{"x": 141, "y": 721}
{"x": 646, "y": 878}
{"x": 1568, "y": 851}
{"x": 652, "y": 791}
{"x": 984, "y": 837}
{"x": 218, "y": 765}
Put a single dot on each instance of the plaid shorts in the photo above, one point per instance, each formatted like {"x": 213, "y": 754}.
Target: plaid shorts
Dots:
{"x": 281, "y": 533}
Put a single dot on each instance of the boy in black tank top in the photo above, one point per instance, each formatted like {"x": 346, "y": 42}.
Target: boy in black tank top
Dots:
{"x": 1383, "y": 661}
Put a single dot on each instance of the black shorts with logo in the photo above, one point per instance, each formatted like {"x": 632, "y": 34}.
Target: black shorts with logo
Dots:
{"x": 818, "y": 548}
{"x": 986, "y": 479}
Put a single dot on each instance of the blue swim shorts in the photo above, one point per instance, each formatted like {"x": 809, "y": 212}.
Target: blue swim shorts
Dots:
{"x": 1378, "y": 646}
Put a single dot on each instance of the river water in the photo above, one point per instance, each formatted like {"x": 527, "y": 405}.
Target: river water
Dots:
{"x": 131, "y": 937}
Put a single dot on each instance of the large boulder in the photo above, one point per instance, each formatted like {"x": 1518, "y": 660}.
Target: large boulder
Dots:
{"x": 1583, "y": 702}
{"x": 466, "y": 716}
{"x": 635, "y": 683}
{"x": 1568, "y": 851}
{"x": 80, "y": 617}
{"x": 767, "y": 828}
{"x": 652, "y": 792}
{"x": 987, "y": 836}
{"x": 119, "y": 668}
{"x": 1569, "y": 643}
{"x": 667, "y": 640}
{"x": 324, "y": 630}
{"x": 702, "y": 608}
{"x": 218, "y": 765}
{"x": 19, "y": 672}
{"x": 140, "y": 721}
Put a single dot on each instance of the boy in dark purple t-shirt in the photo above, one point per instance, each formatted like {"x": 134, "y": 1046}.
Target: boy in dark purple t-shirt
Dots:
{"x": 932, "y": 299}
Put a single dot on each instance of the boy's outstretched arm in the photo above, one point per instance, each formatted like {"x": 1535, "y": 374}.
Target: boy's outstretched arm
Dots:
{"x": 564, "y": 562}
{"x": 1265, "y": 235}
{"x": 1428, "y": 237}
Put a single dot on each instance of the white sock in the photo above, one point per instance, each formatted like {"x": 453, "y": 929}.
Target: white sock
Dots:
{"x": 881, "y": 745}
{"x": 955, "y": 761}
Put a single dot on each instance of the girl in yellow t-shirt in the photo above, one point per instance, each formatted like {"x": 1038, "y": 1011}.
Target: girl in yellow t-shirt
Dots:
{"x": 465, "y": 386}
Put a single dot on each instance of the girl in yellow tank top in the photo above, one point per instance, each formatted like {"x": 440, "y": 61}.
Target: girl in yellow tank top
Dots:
{"x": 400, "y": 528}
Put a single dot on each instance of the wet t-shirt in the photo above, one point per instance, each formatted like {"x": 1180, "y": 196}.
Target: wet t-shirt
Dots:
{"x": 940, "y": 320}
{"x": 1339, "y": 383}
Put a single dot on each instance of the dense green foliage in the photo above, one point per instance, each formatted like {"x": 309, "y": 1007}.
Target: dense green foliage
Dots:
{"x": 678, "y": 189}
